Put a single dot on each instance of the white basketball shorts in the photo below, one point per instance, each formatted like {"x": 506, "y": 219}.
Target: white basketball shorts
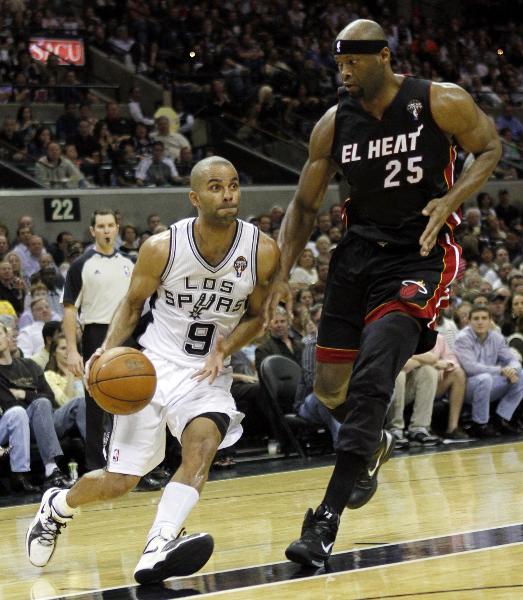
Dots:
{"x": 137, "y": 442}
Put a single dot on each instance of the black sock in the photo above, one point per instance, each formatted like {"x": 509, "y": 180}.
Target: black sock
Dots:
{"x": 346, "y": 470}
{"x": 340, "y": 412}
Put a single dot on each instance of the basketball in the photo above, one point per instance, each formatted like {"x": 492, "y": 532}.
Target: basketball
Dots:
{"x": 122, "y": 381}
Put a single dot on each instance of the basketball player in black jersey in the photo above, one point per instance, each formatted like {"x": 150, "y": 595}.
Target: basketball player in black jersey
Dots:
{"x": 392, "y": 136}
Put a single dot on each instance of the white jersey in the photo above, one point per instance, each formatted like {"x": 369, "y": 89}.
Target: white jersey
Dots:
{"x": 197, "y": 301}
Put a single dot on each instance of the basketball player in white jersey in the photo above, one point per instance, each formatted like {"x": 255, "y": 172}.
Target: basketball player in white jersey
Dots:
{"x": 208, "y": 278}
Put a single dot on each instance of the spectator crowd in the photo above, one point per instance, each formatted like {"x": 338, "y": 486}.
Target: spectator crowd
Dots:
{"x": 470, "y": 386}
{"x": 206, "y": 55}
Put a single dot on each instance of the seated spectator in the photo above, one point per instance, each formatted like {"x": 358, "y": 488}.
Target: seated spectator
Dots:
{"x": 451, "y": 382}
{"x": 59, "y": 248}
{"x": 323, "y": 225}
{"x": 54, "y": 282}
{"x": 30, "y": 340}
{"x": 448, "y": 329}
{"x": 129, "y": 245}
{"x": 498, "y": 302}
{"x": 49, "y": 331}
{"x": 125, "y": 166}
{"x": 31, "y": 258}
{"x": 306, "y": 403}
{"x": 4, "y": 245}
{"x": 27, "y": 124}
{"x": 304, "y": 273}
{"x": 74, "y": 250}
{"x": 279, "y": 341}
{"x": 38, "y": 147}
{"x": 250, "y": 399}
{"x": 56, "y": 171}
{"x": 12, "y": 289}
{"x": 508, "y": 120}
{"x": 185, "y": 164}
{"x": 141, "y": 141}
{"x": 118, "y": 126}
{"x": 67, "y": 123}
{"x": 22, "y": 384}
{"x": 493, "y": 374}
{"x": 12, "y": 143}
{"x": 323, "y": 249}
{"x": 135, "y": 109}
{"x": 173, "y": 142}
{"x": 507, "y": 213}
{"x": 68, "y": 390}
{"x": 86, "y": 144}
{"x": 16, "y": 264}
{"x": 157, "y": 170}
{"x": 417, "y": 382}
{"x": 72, "y": 92}
{"x": 185, "y": 118}
{"x": 513, "y": 322}
{"x": 16, "y": 433}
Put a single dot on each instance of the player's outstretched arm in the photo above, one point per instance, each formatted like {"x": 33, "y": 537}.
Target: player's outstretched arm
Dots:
{"x": 145, "y": 280}
{"x": 299, "y": 218}
{"x": 252, "y": 323}
{"x": 457, "y": 114}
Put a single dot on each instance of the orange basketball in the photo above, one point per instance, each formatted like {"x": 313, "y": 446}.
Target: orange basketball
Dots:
{"x": 122, "y": 381}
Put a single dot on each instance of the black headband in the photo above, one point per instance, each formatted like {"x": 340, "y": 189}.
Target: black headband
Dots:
{"x": 359, "y": 46}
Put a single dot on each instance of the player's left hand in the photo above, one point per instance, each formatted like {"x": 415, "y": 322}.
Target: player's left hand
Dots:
{"x": 213, "y": 365}
{"x": 437, "y": 211}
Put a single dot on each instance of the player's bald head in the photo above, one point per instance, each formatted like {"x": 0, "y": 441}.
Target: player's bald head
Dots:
{"x": 203, "y": 169}
{"x": 362, "y": 29}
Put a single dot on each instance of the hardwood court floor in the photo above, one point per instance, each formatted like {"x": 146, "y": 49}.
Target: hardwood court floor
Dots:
{"x": 406, "y": 543}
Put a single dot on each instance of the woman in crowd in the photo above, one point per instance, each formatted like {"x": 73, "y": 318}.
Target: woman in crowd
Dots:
{"x": 304, "y": 273}
{"x": 129, "y": 246}
{"x": 27, "y": 125}
{"x": 38, "y": 147}
{"x": 68, "y": 390}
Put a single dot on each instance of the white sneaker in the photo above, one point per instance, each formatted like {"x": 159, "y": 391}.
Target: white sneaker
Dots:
{"x": 40, "y": 541}
{"x": 168, "y": 556}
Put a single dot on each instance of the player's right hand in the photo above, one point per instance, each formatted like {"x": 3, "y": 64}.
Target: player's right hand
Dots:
{"x": 75, "y": 363}
{"x": 98, "y": 352}
{"x": 279, "y": 291}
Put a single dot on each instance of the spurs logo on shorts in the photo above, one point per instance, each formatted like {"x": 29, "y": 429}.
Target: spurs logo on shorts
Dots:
{"x": 411, "y": 288}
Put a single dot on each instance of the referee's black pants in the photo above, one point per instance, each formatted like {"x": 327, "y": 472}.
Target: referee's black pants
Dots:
{"x": 97, "y": 420}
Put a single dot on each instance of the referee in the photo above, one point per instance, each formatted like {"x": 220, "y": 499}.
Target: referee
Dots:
{"x": 94, "y": 286}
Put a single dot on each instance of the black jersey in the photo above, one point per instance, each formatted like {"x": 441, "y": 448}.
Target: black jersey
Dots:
{"x": 394, "y": 165}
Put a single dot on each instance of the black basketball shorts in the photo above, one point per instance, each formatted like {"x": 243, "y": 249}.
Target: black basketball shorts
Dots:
{"x": 368, "y": 280}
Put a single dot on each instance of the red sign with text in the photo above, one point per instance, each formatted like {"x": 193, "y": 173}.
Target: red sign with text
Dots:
{"x": 70, "y": 51}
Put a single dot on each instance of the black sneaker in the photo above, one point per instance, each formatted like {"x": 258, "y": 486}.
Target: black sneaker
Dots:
{"x": 422, "y": 437}
{"x": 367, "y": 482}
{"x": 318, "y": 534}
{"x": 57, "y": 480}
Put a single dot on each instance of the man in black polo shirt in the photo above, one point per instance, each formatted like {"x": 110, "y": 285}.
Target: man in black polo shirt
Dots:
{"x": 94, "y": 286}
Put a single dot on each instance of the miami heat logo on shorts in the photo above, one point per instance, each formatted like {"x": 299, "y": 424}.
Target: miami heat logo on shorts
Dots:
{"x": 411, "y": 288}
{"x": 240, "y": 264}
{"x": 415, "y": 107}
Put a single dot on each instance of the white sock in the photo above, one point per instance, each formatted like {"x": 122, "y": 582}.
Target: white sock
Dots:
{"x": 176, "y": 503}
{"x": 49, "y": 468}
{"x": 59, "y": 503}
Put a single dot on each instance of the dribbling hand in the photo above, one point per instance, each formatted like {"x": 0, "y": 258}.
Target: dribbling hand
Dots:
{"x": 213, "y": 365}
{"x": 98, "y": 352}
